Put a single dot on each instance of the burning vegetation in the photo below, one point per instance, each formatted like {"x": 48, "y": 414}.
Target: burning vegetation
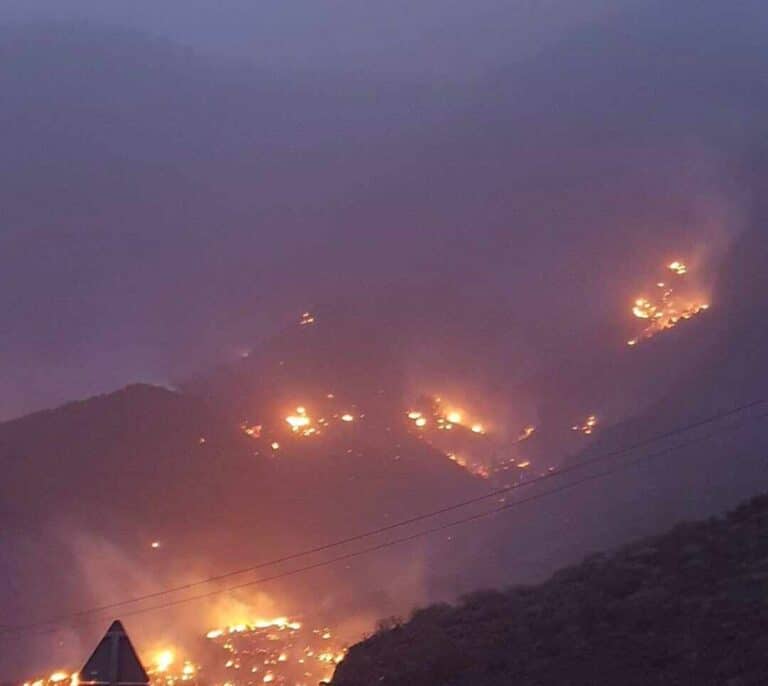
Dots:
{"x": 453, "y": 432}
{"x": 467, "y": 440}
{"x": 57, "y": 678}
{"x": 672, "y": 302}
{"x": 301, "y": 422}
{"x": 283, "y": 651}
{"x": 587, "y": 427}
{"x": 278, "y": 651}
{"x": 306, "y": 319}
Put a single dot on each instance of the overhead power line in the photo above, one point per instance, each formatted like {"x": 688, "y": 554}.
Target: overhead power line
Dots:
{"x": 19, "y": 630}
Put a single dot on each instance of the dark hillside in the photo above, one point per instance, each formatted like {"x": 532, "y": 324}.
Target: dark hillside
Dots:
{"x": 687, "y": 607}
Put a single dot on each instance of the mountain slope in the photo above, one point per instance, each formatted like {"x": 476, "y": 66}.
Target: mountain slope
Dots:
{"x": 687, "y": 607}
{"x": 88, "y": 487}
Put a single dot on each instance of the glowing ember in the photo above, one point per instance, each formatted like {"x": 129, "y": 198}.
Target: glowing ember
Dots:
{"x": 678, "y": 267}
{"x": 274, "y": 445}
{"x": 643, "y": 309}
{"x": 668, "y": 308}
{"x": 299, "y": 420}
{"x": 587, "y": 427}
{"x": 347, "y": 418}
{"x": 526, "y": 433}
{"x": 155, "y": 544}
{"x": 306, "y": 319}
{"x": 434, "y": 418}
{"x": 252, "y": 430}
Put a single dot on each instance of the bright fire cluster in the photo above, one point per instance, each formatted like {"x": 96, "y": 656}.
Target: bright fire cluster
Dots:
{"x": 57, "y": 678}
{"x": 444, "y": 419}
{"x": 303, "y": 424}
{"x": 458, "y": 427}
{"x": 464, "y": 438}
{"x": 165, "y": 669}
{"x": 300, "y": 422}
{"x": 667, "y": 307}
{"x": 278, "y": 651}
{"x": 275, "y": 651}
{"x": 587, "y": 427}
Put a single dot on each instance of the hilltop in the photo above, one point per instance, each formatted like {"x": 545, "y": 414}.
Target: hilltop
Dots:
{"x": 686, "y": 607}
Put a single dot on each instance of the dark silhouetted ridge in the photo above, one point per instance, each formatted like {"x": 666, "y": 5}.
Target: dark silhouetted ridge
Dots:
{"x": 686, "y": 607}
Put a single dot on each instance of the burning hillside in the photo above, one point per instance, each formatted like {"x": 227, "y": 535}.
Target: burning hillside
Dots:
{"x": 673, "y": 301}
{"x": 279, "y": 651}
{"x": 465, "y": 438}
{"x": 292, "y": 460}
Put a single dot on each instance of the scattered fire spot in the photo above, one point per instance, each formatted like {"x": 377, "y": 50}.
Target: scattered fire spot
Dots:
{"x": 587, "y": 427}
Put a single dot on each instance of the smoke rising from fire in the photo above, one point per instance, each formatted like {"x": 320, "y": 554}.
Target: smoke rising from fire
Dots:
{"x": 353, "y": 272}
{"x": 461, "y": 222}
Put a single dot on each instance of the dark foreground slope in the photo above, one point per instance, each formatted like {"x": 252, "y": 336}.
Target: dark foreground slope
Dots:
{"x": 687, "y": 607}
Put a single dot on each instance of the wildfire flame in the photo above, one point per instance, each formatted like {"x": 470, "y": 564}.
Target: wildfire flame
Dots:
{"x": 678, "y": 267}
{"x": 252, "y": 430}
{"x": 436, "y": 417}
{"x": 300, "y": 420}
{"x": 277, "y": 650}
{"x": 667, "y": 309}
{"x": 587, "y": 427}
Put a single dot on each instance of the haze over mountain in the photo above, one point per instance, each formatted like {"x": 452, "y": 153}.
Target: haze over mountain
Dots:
{"x": 315, "y": 302}
{"x": 147, "y": 464}
{"x": 438, "y": 205}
